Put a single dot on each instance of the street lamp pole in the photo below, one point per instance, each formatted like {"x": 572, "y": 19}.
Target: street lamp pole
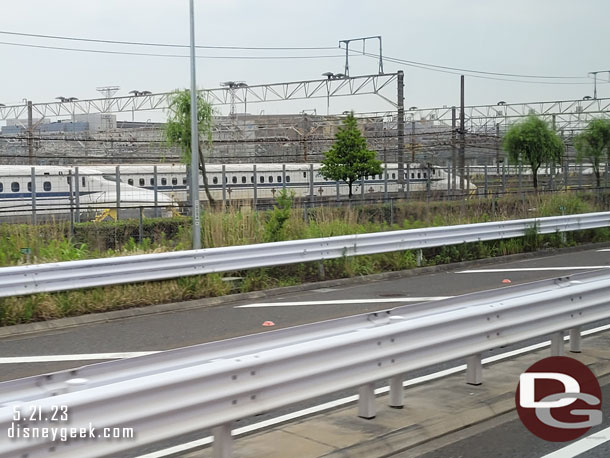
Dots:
{"x": 194, "y": 141}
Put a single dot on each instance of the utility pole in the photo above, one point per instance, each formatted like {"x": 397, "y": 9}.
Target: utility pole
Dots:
{"x": 595, "y": 80}
{"x": 194, "y": 139}
{"x": 30, "y": 134}
{"x": 401, "y": 131}
{"x": 462, "y": 135}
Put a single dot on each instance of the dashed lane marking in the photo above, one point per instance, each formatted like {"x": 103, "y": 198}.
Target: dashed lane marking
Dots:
{"x": 344, "y": 301}
{"x": 81, "y": 357}
{"x": 583, "y": 445}
{"x": 532, "y": 269}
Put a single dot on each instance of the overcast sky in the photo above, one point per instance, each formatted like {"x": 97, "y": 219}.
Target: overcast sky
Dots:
{"x": 523, "y": 37}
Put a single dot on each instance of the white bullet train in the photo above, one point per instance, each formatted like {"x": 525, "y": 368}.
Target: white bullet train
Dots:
{"x": 57, "y": 193}
{"x": 240, "y": 179}
{"x": 91, "y": 191}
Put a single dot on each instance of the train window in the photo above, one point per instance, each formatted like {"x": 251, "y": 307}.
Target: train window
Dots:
{"x": 425, "y": 175}
{"x": 142, "y": 182}
{"x": 412, "y": 175}
{"x": 433, "y": 172}
{"x": 304, "y": 174}
{"x": 288, "y": 179}
{"x": 262, "y": 179}
{"x": 46, "y": 185}
{"x": 1, "y": 187}
{"x": 215, "y": 180}
{"x": 252, "y": 179}
{"x": 270, "y": 179}
{"x": 279, "y": 178}
{"x": 130, "y": 181}
{"x": 234, "y": 180}
{"x": 163, "y": 181}
{"x": 393, "y": 176}
{"x": 184, "y": 181}
{"x": 174, "y": 181}
{"x": 30, "y": 186}
{"x": 243, "y": 179}
{"x": 418, "y": 174}
{"x": 152, "y": 181}
{"x": 15, "y": 186}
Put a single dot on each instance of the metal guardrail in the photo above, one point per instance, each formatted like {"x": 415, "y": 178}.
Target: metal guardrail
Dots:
{"x": 62, "y": 276}
{"x": 211, "y": 385}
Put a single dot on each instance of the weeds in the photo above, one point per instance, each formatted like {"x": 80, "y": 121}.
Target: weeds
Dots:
{"x": 52, "y": 242}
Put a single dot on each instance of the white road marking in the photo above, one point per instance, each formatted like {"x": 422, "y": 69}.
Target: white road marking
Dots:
{"x": 344, "y": 301}
{"x": 582, "y": 445}
{"x": 604, "y": 249}
{"x": 81, "y": 357}
{"x": 349, "y": 399}
{"x": 531, "y": 269}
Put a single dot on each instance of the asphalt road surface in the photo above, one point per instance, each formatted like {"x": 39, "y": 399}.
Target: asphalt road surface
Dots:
{"x": 231, "y": 319}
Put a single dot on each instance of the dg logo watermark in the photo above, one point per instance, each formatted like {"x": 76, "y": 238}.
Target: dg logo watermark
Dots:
{"x": 559, "y": 399}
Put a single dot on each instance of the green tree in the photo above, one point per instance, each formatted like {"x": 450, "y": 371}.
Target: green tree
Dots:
{"x": 178, "y": 128}
{"x": 593, "y": 144}
{"x": 533, "y": 142}
{"x": 349, "y": 159}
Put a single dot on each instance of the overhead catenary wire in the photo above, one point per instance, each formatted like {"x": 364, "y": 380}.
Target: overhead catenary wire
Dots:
{"x": 127, "y": 53}
{"x": 168, "y": 45}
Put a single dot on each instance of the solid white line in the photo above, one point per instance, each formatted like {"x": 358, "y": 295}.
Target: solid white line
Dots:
{"x": 531, "y": 269}
{"x": 605, "y": 249}
{"x": 582, "y": 445}
{"x": 83, "y": 357}
{"x": 344, "y": 301}
{"x": 349, "y": 399}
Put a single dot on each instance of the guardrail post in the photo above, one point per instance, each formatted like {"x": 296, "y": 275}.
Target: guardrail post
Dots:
{"x": 223, "y": 442}
{"x": 420, "y": 257}
{"x": 396, "y": 393}
{"x": 557, "y": 346}
{"x": 366, "y": 401}
{"x": 575, "y": 340}
{"x": 474, "y": 370}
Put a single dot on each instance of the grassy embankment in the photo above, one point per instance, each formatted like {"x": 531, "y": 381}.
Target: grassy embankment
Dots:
{"x": 52, "y": 242}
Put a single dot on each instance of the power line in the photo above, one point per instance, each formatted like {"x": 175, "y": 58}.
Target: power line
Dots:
{"x": 127, "y": 53}
{"x": 167, "y": 45}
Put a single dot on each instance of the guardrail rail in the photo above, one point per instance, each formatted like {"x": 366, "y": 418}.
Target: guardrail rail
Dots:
{"x": 211, "y": 385}
{"x": 62, "y": 276}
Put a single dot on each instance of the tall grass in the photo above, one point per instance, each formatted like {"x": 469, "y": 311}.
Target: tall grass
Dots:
{"x": 53, "y": 242}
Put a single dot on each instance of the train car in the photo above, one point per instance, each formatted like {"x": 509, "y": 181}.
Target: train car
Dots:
{"x": 241, "y": 181}
{"x": 57, "y": 193}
